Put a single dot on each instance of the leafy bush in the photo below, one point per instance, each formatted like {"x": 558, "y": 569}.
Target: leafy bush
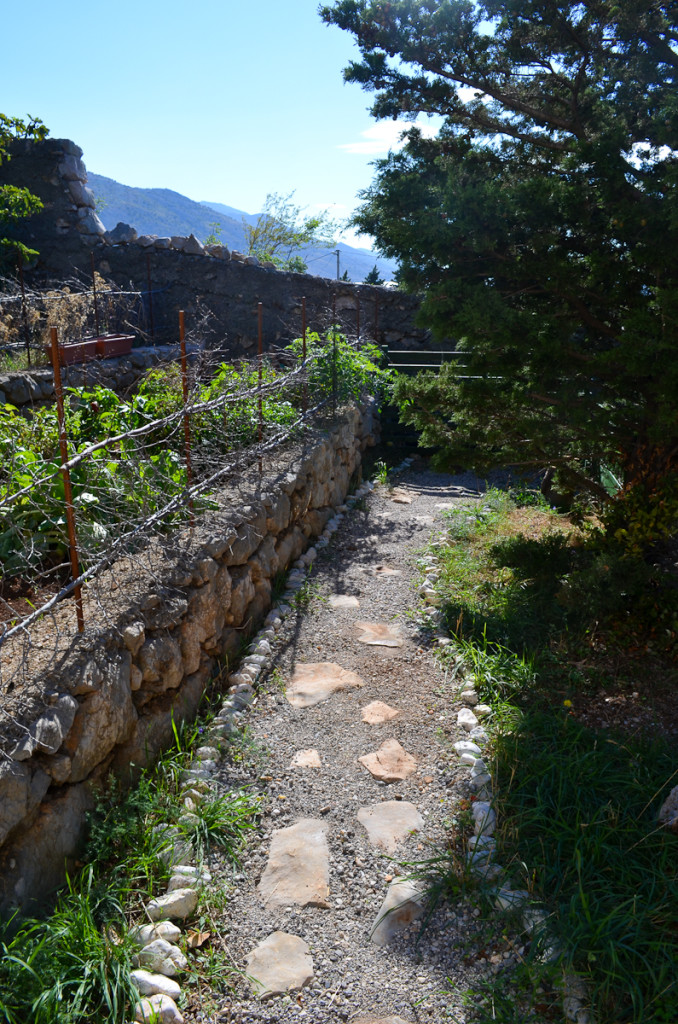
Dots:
{"x": 336, "y": 365}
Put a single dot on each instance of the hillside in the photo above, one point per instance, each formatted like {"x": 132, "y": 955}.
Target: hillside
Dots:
{"x": 160, "y": 211}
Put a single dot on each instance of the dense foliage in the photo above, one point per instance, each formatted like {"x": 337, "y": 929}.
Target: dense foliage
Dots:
{"x": 16, "y": 202}
{"x": 118, "y": 486}
{"x": 541, "y": 224}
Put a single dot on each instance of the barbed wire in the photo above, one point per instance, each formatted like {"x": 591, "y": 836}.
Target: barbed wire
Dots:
{"x": 144, "y": 485}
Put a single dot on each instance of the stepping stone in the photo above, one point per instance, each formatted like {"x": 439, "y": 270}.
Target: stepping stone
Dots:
{"x": 390, "y": 763}
{"x": 279, "y": 964}
{"x": 314, "y": 683}
{"x": 377, "y": 712}
{"x": 401, "y": 496}
{"x": 390, "y": 822}
{"x": 403, "y": 904}
{"x": 298, "y": 868}
{"x": 306, "y": 759}
{"x": 380, "y": 1020}
{"x": 379, "y": 634}
{"x": 343, "y": 601}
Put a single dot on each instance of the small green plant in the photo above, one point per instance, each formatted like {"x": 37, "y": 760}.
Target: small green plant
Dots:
{"x": 381, "y": 472}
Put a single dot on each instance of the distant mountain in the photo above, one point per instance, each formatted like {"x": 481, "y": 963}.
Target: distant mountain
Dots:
{"x": 160, "y": 211}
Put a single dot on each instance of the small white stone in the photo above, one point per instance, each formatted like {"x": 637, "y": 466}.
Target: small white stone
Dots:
{"x": 480, "y": 781}
{"x": 482, "y": 710}
{"x": 467, "y": 719}
{"x": 207, "y": 754}
{"x": 162, "y": 957}
{"x": 187, "y": 882}
{"x": 511, "y": 899}
{"x": 155, "y": 984}
{"x": 469, "y": 697}
{"x": 468, "y": 759}
{"x": 158, "y": 1009}
{"x": 178, "y": 904}
{"x": 484, "y": 817}
{"x": 467, "y": 747}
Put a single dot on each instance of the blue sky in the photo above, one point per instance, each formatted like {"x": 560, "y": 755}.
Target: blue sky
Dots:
{"x": 221, "y": 100}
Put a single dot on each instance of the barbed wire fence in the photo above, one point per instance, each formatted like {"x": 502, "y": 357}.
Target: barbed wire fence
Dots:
{"x": 94, "y": 480}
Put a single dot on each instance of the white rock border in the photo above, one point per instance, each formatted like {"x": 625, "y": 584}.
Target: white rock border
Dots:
{"x": 534, "y": 917}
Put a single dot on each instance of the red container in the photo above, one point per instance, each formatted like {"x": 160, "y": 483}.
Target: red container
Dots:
{"x": 77, "y": 352}
{"x": 108, "y": 346}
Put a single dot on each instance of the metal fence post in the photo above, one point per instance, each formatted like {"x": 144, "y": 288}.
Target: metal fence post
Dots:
{"x": 94, "y": 295}
{"x": 304, "y": 390}
{"x": 187, "y": 424}
{"x": 334, "y": 352}
{"x": 260, "y": 366}
{"x": 68, "y": 491}
{"x": 24, "y": 314}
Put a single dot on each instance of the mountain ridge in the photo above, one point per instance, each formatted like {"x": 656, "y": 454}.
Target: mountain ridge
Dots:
{"x": 162, "y": 211}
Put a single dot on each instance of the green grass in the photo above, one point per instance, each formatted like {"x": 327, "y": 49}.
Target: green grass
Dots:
{"x": 538, "y": 614}
{"x": 73, "y": 966}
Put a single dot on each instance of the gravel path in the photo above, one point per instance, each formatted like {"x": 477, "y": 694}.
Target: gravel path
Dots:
{"x": 420, "y": 976}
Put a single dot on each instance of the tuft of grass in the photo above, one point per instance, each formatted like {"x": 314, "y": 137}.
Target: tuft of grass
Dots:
{"x": 222, "y": 822}
{"x": 580, "y": 807}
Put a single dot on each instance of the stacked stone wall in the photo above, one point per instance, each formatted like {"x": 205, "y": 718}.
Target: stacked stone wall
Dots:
{"x": 79, "y": 706}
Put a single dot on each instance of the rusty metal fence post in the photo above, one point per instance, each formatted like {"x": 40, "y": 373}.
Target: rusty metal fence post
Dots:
{"x": 24, "y": 312}
{"x": 66, "y": 476}
{"x": 260, "y": 367}
{"x": 304, "y": 387}
{"x": 150, "y": 295}
{"x": 187, "y": 424}
{"x": 94, "y": 296}
{"x": 334, "y": 352}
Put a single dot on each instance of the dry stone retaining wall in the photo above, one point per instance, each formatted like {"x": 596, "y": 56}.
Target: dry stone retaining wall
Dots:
{"x": 79, "y": 706}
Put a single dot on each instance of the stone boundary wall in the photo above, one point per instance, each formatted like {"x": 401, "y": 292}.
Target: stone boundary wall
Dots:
{"x": 184, "y": 274}
{"x": 29, "y": 387}
{"x": 77, "y": 707}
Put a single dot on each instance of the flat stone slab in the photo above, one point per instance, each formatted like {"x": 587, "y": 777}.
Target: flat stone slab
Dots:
{"x": 401, "y": 495}
{"x": 343, "y": 601}
{"x": 379, "y": 634}
{"x": 380, "y": 1020}
{"x": 311, "y": 684}
{"x": 279, "y": 964}
{"x": 298, "y": 868}
{"x": 377, "y": 712}
{"x": 391, "y": 763}
{"x": 388, "y": 823}
{"x": 403, "y": 904}
{"x": 306, "y": 759}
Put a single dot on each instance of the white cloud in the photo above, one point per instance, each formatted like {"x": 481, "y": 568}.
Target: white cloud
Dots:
{"x": 382, "y": 136}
